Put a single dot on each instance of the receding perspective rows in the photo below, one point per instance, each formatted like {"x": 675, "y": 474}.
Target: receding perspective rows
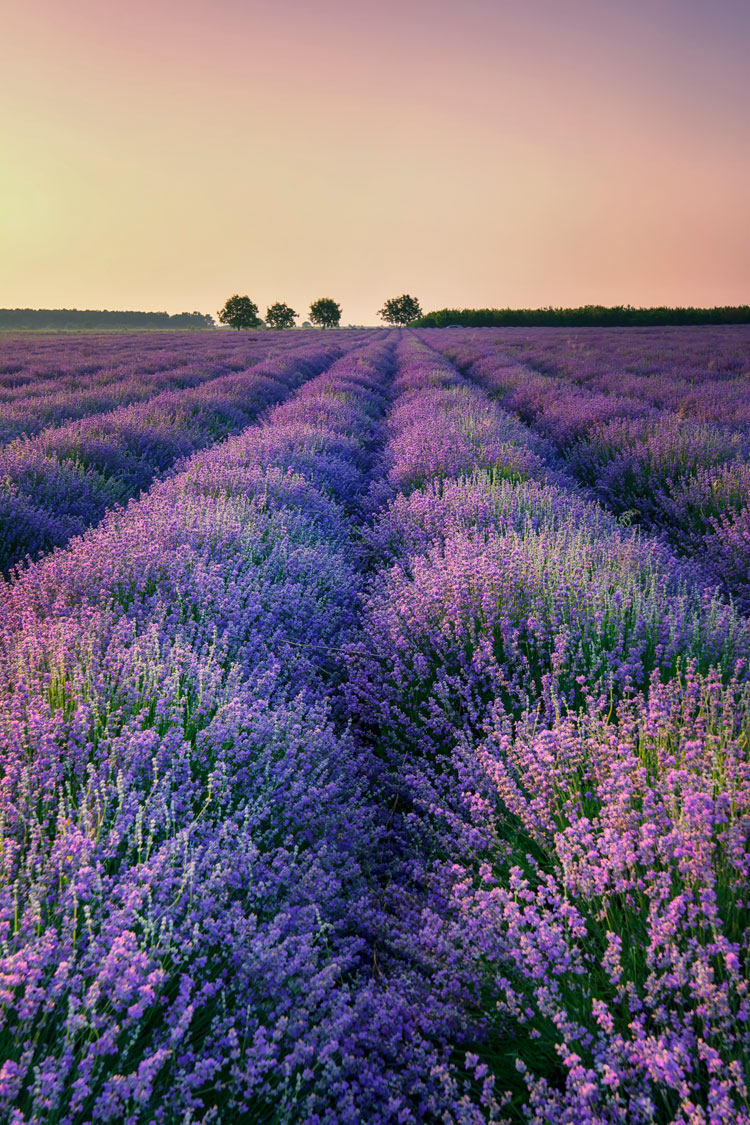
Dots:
{"x": 374, "y": 728}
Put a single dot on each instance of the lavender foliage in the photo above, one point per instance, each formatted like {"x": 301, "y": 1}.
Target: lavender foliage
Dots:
{"x": 560, "y": 709}
{"x": 387, "y": 761}
{"x": 637, "y": 416}
{"x": 55, "y": 485}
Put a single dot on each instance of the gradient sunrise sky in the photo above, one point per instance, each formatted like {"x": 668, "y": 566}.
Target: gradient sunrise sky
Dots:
{"x": 163, "y": 154}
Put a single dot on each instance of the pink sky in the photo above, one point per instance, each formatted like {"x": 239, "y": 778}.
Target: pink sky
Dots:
{"x": 163, "y": 155}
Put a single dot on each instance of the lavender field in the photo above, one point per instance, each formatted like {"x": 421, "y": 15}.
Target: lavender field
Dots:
{"x": 375, "y": 727}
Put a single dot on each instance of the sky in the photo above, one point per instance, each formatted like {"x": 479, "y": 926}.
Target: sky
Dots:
{"x": 164, "y": 154}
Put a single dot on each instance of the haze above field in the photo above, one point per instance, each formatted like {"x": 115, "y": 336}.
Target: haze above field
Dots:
{"x": 164, "y": 155}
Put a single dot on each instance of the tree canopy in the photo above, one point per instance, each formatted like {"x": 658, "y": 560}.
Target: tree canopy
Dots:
{"x": 400, "y": 310}
{"x": 326, "y": 312}
{"x": 280, "y": 315}
{"x": 586, "y": 316}
{"x": 240, "y": 312}
{"x": 58, "y": 320}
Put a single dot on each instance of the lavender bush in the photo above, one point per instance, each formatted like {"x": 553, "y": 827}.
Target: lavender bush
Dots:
{"x": 59, "y": 483}
{"x": 559, "y": 707}
{"x": 369, "y": 767}
{"x": 181, "y": 817}
{"x": 638, "y": 416}
{"x": 29, "y": 407}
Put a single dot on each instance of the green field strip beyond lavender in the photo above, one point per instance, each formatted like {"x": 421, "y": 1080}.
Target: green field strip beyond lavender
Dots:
{"x": 55, "y": 485}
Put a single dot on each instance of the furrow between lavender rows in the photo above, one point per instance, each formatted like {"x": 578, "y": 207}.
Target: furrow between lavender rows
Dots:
{"x": 57, "y": 484}
{"x": 685, "y": 478}
{"x": 185, "y": 905}
{"x": 560, "y": 711}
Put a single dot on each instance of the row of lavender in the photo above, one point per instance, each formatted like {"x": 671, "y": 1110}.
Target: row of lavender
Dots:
{"x": 49, "y": 395}
{"x": 660, "y": 436}
{"x": 55, "y": 485}
{"x": 186, "y": 919}
{"x": 562, "y": 716}
{"x": 31, "y": 363}
{"x": 29, "y": 360}
{"x": 517, "y": 889}
{"x": 700, "y": 373}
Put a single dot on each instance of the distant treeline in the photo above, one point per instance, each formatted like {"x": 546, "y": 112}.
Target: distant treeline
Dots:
{"x": 60, "y": 319}
{"x": 593, "y": 316}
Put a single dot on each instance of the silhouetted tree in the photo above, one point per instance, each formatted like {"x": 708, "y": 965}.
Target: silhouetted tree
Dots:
{"x": 280, "y": 316}
{"x": 326, "y": 312}
{"x": 240, "y": 312}
{"x": 400, "y": 310}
